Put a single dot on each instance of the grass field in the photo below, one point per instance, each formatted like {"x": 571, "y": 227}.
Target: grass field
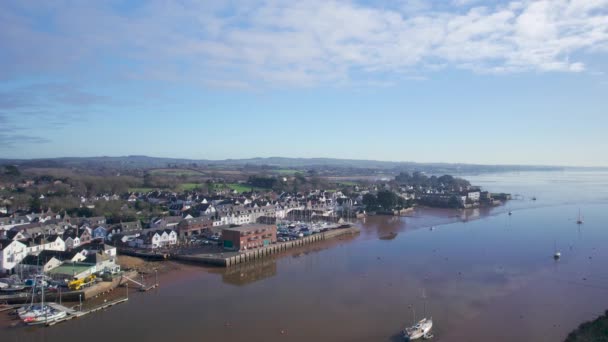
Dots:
{"x": 347, "y": 183}
{"x": 175, "y": 172}
{"x": 141, "y": 189}
{"x": 188, "y": 186}
{"x": 287, "y": 171}
{"x": 238, "y": 187}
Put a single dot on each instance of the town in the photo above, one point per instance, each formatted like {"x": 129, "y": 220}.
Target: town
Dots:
{"x": 47, "y": 221}
{"x": 70, "y": 235}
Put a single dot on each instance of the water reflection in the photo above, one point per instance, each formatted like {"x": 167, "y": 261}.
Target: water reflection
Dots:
{"x": 251, "y": 272}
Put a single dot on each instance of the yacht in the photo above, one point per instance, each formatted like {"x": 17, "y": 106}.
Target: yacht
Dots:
{"x": 49, "y": 316}
{"x": 422, "y": 329}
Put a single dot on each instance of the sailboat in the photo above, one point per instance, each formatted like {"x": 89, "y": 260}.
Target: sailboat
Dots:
{"x": 40, "y": 314}
{"x": 579, "y": 220}
{"x": 422, "y": 328}
{"x": 556, "y": 253}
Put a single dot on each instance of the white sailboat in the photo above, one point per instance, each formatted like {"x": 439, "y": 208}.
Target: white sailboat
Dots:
{"x": 556, "y": 254}
{"x": 40, "y": 314}
{"x": 579, "y": 220}
{"x": 422, "y": 328}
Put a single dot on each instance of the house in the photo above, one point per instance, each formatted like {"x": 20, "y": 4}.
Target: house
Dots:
{"x": 120, "y": 238}
{"x": 55, "y": 243}
{"x": 100, "y": 247}
{"x": 11, "y": 253}
{"x": 99, "y": 233}
{"x": 473, "y": 196}
{"x": 155, "y": 239}
{"x": 41, "y": 243}
{"x": 195, "y": 226}
{"x": 85, "y": 235}
{"x": 249, "y": 236}
{"x": 33, "y": 264}
{"x": 165, "y": 222}
{"x": 71, "y": 239}
{"x": 126, "y": 227}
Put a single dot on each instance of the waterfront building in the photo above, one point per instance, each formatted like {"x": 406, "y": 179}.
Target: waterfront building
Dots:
{"x": 249, "y": 236}
{"x": 11, "y": 253}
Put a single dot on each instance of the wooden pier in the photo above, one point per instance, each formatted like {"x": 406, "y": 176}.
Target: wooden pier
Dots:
{"x": 71, "y": 313}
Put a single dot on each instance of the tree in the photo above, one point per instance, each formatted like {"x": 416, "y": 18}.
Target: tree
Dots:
{"x": 370, "y": 201}
{"x": 12, "y": 170}
{"x": 35, "y": 204}
{"x": 454, "y": 202}
{"x": 387, "y": 199}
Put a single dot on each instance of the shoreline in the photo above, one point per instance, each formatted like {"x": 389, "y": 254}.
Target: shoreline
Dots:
{"x": 591, "y": 331}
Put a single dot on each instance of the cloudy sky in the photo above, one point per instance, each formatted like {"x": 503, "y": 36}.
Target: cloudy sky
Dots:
{"x": 475, "y": 81}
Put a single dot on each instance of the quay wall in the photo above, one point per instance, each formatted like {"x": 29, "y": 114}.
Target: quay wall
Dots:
{"x": 235, "y": 258}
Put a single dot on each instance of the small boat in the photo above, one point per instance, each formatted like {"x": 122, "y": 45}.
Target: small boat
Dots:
{"x": 422, "y": 329}
{"x": 32, "y": 311}
{"x": 534, "y": 198}
{"x": 510, "y": 213}
{"x": 13, "y": 288}
{"x": 45, "y": 317}
{"x": 557, "y": 255}
{"x": 579, "y": 220}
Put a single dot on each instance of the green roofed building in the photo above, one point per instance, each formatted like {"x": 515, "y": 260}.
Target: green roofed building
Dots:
{"x": 70, "y": 270}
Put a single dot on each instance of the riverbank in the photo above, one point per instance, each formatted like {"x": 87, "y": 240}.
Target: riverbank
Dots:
{"x": 594, "y": 331}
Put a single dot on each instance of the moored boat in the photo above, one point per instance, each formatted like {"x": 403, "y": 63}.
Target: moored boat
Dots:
{"x": 422, "y": 329}
{"x": 50, "y": 316}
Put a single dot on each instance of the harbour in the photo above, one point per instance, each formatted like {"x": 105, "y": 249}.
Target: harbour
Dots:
{"x": 490, "y": 270}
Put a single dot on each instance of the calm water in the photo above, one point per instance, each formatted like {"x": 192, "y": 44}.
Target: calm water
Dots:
{"x": 490, "y": 279}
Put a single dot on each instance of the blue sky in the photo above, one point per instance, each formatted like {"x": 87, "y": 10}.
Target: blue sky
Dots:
{"x": 492, "y": 82}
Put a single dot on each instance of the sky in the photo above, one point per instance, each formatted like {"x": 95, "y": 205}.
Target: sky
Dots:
{"x": 467, "y": 81}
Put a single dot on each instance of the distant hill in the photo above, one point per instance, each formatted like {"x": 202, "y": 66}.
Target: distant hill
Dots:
{"x": 145, "y": 162}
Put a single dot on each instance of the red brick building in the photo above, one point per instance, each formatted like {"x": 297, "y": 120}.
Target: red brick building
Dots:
{"x": 249, "y": 236}
{"x": 195, "y": 226}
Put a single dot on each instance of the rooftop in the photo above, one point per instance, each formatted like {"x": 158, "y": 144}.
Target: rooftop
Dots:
{"x": 70, "y": 268}
{"x": 250, "y": 227}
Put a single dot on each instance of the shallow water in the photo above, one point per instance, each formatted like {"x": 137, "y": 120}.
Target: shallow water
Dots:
{"x": 486, "y": 276}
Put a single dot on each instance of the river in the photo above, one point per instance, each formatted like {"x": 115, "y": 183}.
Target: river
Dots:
{"x": 483, "y": 275}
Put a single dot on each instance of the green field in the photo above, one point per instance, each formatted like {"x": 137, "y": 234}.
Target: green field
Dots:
{"x": 174, "y": 172}
{"x": 141, "y": 189}
{"x": 238, "y": 187}
{"x": 188, "y": 186}
{"x": 347, "y": 183}
{"x": 287, "y": 171}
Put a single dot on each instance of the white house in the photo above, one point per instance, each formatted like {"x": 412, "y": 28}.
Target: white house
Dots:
{"x": 474, "y": 196}
{"x": 12, "y": 254}
{"x": 55, "y": 243}
{"x": 155, "y": 239}
{"x": 168, "y": 238}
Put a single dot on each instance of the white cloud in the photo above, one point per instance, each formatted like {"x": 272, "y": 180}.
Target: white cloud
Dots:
{"x": 293, "y": 43}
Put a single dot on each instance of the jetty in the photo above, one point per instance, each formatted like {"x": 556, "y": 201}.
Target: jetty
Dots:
{"x": 73, "y": 313}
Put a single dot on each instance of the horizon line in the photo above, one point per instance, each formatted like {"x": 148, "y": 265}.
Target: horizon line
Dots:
{"x": 305, "y": 158}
